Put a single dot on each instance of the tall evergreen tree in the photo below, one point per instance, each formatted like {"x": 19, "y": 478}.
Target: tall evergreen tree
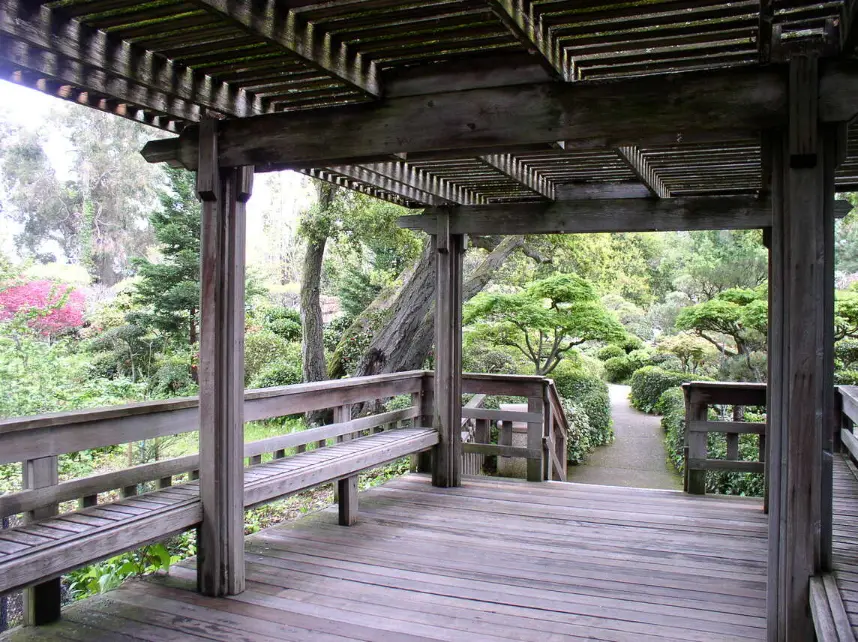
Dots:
{"x": 169, "y": 290}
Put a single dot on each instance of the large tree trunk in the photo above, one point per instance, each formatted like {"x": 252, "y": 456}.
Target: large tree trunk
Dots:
{"x": 404, "y": 339}
{"x": 312, "y": 326}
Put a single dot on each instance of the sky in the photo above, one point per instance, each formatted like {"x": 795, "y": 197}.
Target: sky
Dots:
{"x": 30, "y": 108}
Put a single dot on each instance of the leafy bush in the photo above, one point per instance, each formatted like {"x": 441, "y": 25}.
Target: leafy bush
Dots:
{"x": 578, "y": 437}
{"x": 846, "y": 378}
{"x": 610, "y": 352}
{"x": 650, "y": 382}
{"x": 264, "y": 349}
{"x": 672, "y": 405}
{"x": 334, "y": 330}
{"x": 620, "y": 369}
{"x": 591, "y": 395}
{"x": 631, "y": 343}
{"x": 285, "y": 371}
{"x": 284, "y": 322}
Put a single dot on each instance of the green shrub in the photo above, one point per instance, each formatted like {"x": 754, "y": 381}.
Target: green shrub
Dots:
{"x": 334, "y": 330}
{"x": 265, "y": 350}
{"x": 610, "y": 352}
{"x": 620, "y": 369}
{"x": 631, "y": 343}
{"x": 650, "y": 382}
{"x": 591, "y": 395}
{"x": 578, "y": 436}
{"x": 280, "y": 373}
{"x": 672, "y": 406}
{"x": 846, "y": 378}
{"x": 284, "y": 322}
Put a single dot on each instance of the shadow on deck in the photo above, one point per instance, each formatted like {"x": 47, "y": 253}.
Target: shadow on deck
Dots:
{"x": 494, "y": 559}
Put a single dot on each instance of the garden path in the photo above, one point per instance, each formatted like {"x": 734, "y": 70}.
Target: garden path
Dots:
{"x": 636, "y": 458}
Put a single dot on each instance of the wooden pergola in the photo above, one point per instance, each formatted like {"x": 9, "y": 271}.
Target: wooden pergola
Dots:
{"x": 496, "y": 117}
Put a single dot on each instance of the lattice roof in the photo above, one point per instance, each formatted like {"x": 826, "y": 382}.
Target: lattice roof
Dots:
{"x": 170, "y": 63}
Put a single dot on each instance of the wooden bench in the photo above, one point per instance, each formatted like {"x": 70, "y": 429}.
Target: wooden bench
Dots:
{"x": 829, "y": 615}
{"x": 47, "y": 548}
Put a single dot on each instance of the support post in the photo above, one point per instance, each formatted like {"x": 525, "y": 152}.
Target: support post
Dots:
{"x": 422, "y": 462}
{"x": 347, "y": 500}
{"x": 696, "y": 443}
{"x": 535, "y": 432}
{"x": 42, "y": 602}
{"x": 224, "y": 192}
{"x": 800, "y": 363}
{"x": 447, "y": 456}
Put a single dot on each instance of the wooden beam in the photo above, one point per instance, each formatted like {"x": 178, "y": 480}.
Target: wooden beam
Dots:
{"x": 517, "y": 17}
{"x": 731, "y": 103}
{"x": 418, "y": 179}
{"x": 520, "y": 173}
{"x": 586, "y": 191}
{"x": 49, "y": 30}
{"x": 606, "y": 215}
{"x": 645, "y": 172}
{"x": 220, "y": 567}
{"x": 407, "y": 193}
{"x": 273, "y": 22}
{"x": 447, "y": 456}
{"x": 48, "y": 64}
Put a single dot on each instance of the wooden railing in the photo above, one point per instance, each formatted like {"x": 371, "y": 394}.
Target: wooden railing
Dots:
{"x": 36, "y": 442}
{"x": 545, "y": 449}
{"x": 848, "y": 405}
{"x": 699, "y": 397}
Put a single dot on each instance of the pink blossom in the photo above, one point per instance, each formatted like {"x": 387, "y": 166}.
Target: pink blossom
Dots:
{"x": 49, "y": 307}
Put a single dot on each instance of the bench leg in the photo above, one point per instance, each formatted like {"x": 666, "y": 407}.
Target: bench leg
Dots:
{"x": 347, "y": 497}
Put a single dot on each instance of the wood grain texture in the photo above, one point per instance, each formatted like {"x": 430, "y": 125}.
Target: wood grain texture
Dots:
{"x": 646, "y": 566}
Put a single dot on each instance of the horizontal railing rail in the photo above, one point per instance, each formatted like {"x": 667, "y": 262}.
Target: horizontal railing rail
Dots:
{"x": 37, "y": 441}
{"x": 699, "y": 397}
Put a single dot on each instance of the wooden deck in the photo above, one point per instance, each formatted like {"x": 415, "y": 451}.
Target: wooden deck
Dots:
{"x": 495, "y": 559}
{"x": 845, "y": 544}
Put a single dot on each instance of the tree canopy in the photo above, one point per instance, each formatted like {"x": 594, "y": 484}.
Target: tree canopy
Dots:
{"x": 544, "y": 321}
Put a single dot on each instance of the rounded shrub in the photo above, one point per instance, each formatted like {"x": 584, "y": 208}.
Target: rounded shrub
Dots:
{"x": 620, "y": 369}
{"x": 671, "y": 406}
{"x": 284, "y": 371}
{"x": 631, "y": 343}
{"x": 610, "y": 352}
{"x": 846, "y": 377}
{"x": 266, "y": 349}
{"x": 650, "y": 382}
{"x": 591, "y": 395}
{"x": 578, "y": 444}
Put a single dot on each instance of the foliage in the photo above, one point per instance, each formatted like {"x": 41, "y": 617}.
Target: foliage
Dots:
{"x": 740, "y": 314}
{"x": 649, "y": 383}
{"x": 335, "y": 329}
{"x": 265, "y": 350}
{"x": 620, "y": 369}
{"x": 578, "y": 444}
{"x": 280, "y": 373}
{"x": 610, "y": 352}
{"x": 284, "y": 322}
{"x": 671, "y": 407}
{"x": 545, "y": 321}
{"x": 692, "y": 351}
{"x": 168, "y": 290}
{"x": 591, "y": 395}
{"x": 43, "y": 306}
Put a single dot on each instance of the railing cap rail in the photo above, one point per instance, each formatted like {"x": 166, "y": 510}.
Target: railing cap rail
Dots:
{"x": 726, "y": 385}
{"x": 72, "y": 417}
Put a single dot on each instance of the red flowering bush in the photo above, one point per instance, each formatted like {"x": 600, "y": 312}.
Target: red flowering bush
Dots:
{"x": 47, "y": 307}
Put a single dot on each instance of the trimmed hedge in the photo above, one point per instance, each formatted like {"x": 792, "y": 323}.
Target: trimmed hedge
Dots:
{"x": 578, "y": 444}
{"x": 650, "y": 382}
{"x": 620, "y": 369}
{"x": 610, "y": 352}
{"x": 591, "y": 395}
{"x": 672, "y": 406}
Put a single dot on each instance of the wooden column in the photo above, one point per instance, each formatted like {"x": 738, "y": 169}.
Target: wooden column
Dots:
{"x": 800, "y": 363}
{"x": 224, "y": 192}
{"x": 535, "y": 432}
{"x": 42, "y": 601}
{"x": 447, "y": 456}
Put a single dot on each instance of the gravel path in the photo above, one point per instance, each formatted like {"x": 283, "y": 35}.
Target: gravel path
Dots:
{"x": 636, "y": 458}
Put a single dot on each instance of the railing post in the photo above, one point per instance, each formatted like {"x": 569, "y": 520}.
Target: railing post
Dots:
{"x": 224, "y": 192}
{"x": 447, "y": 456}
{"x": 695, "y": 442}
{"x": 42, "y": 602}
{"x": 535, "y": 432}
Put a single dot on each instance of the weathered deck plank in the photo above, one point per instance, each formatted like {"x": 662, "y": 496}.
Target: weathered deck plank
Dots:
{"x": 492, "y": 560}
{"x": 845, "y": 543}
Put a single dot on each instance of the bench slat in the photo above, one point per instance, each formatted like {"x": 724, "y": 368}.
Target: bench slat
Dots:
{"x": 88, "y": 535}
